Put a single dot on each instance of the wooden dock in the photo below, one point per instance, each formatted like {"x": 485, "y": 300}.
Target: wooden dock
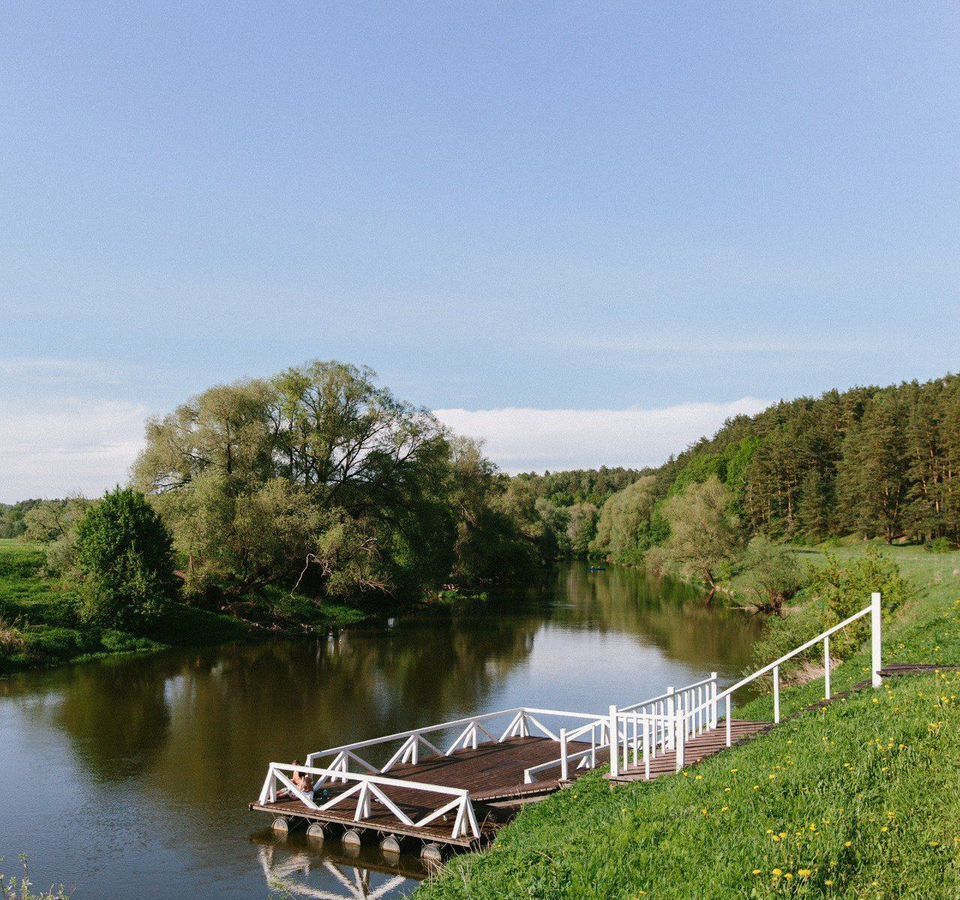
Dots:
{"x": 493, "y": 774}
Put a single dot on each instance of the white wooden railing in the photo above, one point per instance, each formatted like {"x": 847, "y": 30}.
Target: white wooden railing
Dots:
{"x": 659, "y": 711}
{"x": 471, "y": 732}
{"x": 370, "y": 789}
{"x": 665, "y": 723}
{"x": 640, "y": 732}
{"x": 874, "y": 610}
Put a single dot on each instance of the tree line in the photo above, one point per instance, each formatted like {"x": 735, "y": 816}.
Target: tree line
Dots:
{"x": 320, "y": 481}
{"x": 882, "y": 463}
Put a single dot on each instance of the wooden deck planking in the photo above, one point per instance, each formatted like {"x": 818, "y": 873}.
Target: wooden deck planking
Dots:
{"x": 695, "y": 750}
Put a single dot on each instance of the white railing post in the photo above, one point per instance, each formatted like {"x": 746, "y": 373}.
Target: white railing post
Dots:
{"x": 713, "y": 699}
{"x": 776, "y": 694}
{"x": 826, "y": 668}
{"x": 614, "y": 743}
{"x": 671, "y": 713}
{"x": 646, "y": 748}
{"x": 876, "y": 643}
{"x": 679, "y": 729}
{"x": 728, "y": 722}
{"x": 564, "y": 764}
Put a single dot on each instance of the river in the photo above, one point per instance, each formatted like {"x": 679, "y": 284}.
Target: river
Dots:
{"x": 129, "y": 777}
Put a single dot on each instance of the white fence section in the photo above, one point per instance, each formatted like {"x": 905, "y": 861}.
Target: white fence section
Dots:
{"x": 665, "y": 723}
{"x": 471, "y": 732}
{"x": 874, "y": 610}
{"x": 369, "y": 789}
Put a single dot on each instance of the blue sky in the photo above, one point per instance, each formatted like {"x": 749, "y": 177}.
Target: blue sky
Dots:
{"x": 650, "y": 208}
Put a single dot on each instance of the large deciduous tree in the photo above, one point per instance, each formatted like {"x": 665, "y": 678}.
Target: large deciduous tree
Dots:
{"x": 705, "y": 536}
{"x": 320, "y": 477}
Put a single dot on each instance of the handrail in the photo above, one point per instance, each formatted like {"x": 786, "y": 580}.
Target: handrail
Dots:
{"x": 876, "y": 653}
{"x": 668, "y": 702}
{"x": 795, "y": 652}
{"x": 426, "y": 729}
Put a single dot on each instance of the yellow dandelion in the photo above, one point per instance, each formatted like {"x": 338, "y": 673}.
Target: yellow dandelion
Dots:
{"x": 804, "y": 873}
{"x": 778, "y": 872}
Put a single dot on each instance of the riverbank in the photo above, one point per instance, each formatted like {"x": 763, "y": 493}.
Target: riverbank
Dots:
{"x": 859, "y": 799}
{"x": 40, "y": 628}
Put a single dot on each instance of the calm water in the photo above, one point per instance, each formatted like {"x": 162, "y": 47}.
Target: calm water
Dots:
{"x": 129, "y": 778}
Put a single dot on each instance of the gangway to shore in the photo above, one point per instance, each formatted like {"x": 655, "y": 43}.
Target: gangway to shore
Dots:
{"x": 458, "y": 791}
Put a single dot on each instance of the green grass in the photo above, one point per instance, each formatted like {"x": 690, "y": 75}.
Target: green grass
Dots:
{"x": 859, "y": 800}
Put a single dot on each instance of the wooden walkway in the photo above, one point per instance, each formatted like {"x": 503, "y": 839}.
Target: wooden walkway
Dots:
{"x": 493, "y": 773}
{"x": 695, "y": 750}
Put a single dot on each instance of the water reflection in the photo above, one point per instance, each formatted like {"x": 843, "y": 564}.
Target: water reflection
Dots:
{"x": 159, "y": 755}
{"x": 292, "y": 868}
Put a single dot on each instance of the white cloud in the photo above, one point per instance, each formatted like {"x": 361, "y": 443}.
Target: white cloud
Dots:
{"x": 51, "y": 447}
{"x": 525, "y": 439}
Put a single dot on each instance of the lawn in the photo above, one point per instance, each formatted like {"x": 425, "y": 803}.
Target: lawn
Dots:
{"x": 861, "y": 799}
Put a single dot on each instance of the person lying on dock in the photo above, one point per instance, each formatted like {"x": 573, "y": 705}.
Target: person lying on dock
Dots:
{"x": 297, "y": 779}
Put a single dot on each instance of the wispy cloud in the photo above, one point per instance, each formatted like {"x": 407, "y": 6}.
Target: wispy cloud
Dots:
{"x": 525, "y": 439}
{"x": 52, "y": 447}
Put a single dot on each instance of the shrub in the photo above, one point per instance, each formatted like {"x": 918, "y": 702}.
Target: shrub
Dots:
{"x": 125, "y": 561}
{"x": 776, "y": 576}
{"x": 845, "y": 588}
{"x": 940, "y": 545}
{"x": 45, "y": 644}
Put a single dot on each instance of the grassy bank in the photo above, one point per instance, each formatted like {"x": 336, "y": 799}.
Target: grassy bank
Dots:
{"x": 39, "y": 625}
{"x": 859, "y": 800}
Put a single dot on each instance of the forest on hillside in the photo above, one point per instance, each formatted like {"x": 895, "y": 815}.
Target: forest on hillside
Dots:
{"x": 320, "y": 479}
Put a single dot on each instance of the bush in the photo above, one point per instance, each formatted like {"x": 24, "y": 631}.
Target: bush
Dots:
{"x": 845, "y": 588}
{"x": 125, "y": 561}
{"x": 940, "y": 545}
{"x": 776, "y": 576}
{"x": 45, "y": 644}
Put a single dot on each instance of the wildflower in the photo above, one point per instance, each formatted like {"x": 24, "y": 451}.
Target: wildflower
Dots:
{"x": 829, "y": 882}
{"x": 804, "y": 873}
{"x": 778, "y": 872}
{"x": 789, "y": 876}
{"x": 848, "y": 844}
{"x": 884, "y": 829}
{"x": 757, "y": 872}
{"x": 699, "y": 778}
